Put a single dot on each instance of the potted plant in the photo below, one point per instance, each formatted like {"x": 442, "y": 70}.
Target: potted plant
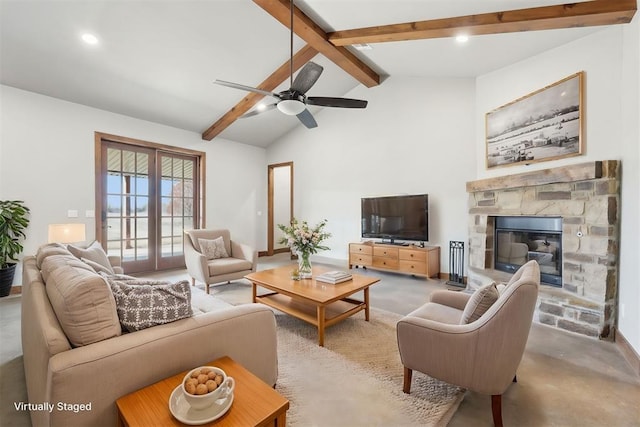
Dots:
{"x": 13, "y": 221}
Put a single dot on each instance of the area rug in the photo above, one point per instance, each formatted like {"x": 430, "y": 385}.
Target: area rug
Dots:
{"x": 356, "y": 379}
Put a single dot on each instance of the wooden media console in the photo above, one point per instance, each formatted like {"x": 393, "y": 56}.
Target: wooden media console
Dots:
{"x": 401, "y": 259}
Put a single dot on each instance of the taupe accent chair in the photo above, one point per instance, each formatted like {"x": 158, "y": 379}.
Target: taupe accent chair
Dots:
{"x": 241, "y": 261}
{"x": 481, "y": 356}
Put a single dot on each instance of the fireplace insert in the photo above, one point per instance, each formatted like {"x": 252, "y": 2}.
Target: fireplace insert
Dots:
{"x": 519, "y": 239}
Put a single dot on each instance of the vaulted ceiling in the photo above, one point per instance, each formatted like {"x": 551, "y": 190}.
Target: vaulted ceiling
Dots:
{"x": 156, "y": 60}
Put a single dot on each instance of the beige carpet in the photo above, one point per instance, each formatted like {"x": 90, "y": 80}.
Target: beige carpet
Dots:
{"x": 356, "y": 379}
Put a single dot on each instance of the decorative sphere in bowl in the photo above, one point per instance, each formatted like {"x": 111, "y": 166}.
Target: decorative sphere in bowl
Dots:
{"x": 204, "y": 385}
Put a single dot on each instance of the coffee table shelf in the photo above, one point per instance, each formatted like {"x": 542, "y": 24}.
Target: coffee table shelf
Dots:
{"x": 333, "y": 313}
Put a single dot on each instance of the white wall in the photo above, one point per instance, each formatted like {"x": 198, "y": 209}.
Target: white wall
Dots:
{"x": 629, "y": 296}
{"x": 610, "y": 61}
{"x": 415, "y": 136}
{"x": 47, "y": 148}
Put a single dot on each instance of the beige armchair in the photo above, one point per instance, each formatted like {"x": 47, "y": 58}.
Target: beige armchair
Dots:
{"x": 241, "y": 260}
{"x": 481, "y": 356}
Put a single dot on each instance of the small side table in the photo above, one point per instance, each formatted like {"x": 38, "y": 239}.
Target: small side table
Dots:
{"x": 255, "y": 403}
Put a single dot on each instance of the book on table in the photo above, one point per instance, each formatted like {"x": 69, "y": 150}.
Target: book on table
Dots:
{"x": 334, "y": 277}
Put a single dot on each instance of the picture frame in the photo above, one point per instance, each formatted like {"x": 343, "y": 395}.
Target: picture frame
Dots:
{"x": 541, "y": 126}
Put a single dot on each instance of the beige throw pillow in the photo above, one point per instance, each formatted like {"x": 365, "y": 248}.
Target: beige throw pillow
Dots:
{"x": 97, "y": 267}
{"x": 84, "y": 305}
{"x": 142, "y": 304}
{"x": 501, "y": 287}
{"x": 479, "y": 303}
{"x": 93, "y": 253}
{"x": 213, "y": 249}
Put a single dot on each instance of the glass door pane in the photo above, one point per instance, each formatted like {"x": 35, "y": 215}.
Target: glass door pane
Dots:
{"x": 177, "y": 203}
{"x": 127, "y": 226}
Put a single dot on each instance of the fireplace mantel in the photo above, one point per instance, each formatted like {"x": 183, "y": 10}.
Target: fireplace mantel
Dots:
{"x": 571, "y": 173}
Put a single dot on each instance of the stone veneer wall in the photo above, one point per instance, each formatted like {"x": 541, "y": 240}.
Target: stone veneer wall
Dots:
{"x": 587, "y": 197}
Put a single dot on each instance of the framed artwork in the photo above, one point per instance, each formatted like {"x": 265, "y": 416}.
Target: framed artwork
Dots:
{"x": 544, "y": 125}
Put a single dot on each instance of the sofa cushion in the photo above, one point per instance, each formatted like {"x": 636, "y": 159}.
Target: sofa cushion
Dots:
{"x": 438, "y": 312}
{"x": 48, "y": 250}
{"x": 228, "y": 265}
{"x": 479, "y": 303}
{"x": 52, "y": 262}
{"x": 213, "y": 249}
{"x": 202, "y": 302}
{"x": 145, "y": 303}
{"x": 93, "y": 252}
{"x": 83, "y": 303}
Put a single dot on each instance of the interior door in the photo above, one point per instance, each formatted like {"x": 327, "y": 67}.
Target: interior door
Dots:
{"x": 280, "y": 203}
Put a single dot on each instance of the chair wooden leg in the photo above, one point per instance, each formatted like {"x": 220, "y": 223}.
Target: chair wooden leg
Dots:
{"x": 406, "y": 387}
{"x": 515, "y": 378}
{"x": 207, "y": 287}
{"x": 193, "y": 281}
{"x": 496, "y": 409}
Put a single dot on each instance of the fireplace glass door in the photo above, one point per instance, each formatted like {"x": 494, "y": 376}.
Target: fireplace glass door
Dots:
{"x": 522, "y": 239}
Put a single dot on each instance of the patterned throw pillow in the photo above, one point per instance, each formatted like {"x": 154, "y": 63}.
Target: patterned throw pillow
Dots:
{"x": 213, "y": 249}
{"x": 479, "y": 303}
{"x": 144, "y": 303}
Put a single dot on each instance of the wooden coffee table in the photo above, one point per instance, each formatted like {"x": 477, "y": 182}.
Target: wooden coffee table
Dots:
{"x": 318, "y": 303}
{"x": 254, "y": 403}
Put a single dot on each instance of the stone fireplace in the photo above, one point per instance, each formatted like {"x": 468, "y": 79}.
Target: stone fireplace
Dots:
{"x": 585, "y": 199}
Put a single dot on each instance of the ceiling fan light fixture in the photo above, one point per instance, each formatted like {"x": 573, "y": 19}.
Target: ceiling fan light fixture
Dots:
{"x": 291, "y": 107}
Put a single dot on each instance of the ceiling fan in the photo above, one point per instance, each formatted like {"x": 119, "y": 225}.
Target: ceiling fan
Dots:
{"x": 294, "y": 101}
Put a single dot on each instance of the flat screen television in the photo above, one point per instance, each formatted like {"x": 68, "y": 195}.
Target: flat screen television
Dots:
{"x": 396, "y": 217}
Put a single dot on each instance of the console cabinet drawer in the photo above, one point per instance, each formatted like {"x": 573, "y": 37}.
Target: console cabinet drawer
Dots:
{"x": 359, "y": 259}
{"x": 385, "y": 262}
{"x": 413, "y": 255}
{"x": 385, "y": 252}
{"x": 413, "y": 267}
{"x": 355, "y": 248}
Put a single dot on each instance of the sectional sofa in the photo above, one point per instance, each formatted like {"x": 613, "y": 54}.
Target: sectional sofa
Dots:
{"x": 78, "y": 360}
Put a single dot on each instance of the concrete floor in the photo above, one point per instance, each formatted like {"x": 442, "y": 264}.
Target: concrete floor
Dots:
{"x": 564, "y": 379}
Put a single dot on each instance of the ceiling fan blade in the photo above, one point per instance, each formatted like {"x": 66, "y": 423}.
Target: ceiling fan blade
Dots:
{"x": 307, "y": 119}
{"x": 247, "y": 88}
{"x": 307, "y": 77}
{"x": 323, "y": 101}
{"x": 257, "y": 111}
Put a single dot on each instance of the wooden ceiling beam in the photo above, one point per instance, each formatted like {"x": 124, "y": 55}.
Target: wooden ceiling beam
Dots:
{"x": 585, "y": 14}
{"x": 310, "y": 32}
{"x": 303, "y": 56}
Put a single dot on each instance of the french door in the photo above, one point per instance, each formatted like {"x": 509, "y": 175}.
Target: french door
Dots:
{"x": 147, "y": 198}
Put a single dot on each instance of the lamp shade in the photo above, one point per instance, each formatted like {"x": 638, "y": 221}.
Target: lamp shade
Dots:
{"x": 66, "y": 233}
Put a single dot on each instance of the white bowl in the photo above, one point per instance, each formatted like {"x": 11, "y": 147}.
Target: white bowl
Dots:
{"x": 202, "y": 401}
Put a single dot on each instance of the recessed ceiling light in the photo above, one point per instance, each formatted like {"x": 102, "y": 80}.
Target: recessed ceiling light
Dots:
{"x": 89, "y": 39}
{"x": 462, "y": 38}
{"x": 261, "y": 107}
{"x": 363, "y": 46}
